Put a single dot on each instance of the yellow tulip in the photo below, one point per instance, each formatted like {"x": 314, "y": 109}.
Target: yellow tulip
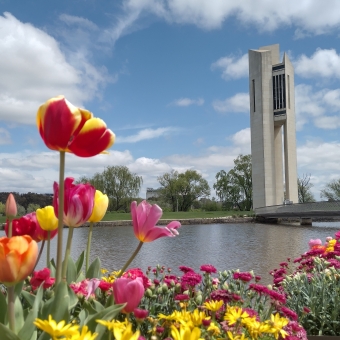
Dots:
{"x": 46, "y": 218}
{"x": 101, "y": 203}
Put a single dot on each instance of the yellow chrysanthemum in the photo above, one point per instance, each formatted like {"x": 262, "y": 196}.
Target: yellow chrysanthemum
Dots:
{"x": 231, "y": 336}
{"x": 56, "y": 330}
{"x": 185, "y": 333}
{"x": 255, "y": 328}
{"x": 104, "y": 271}
{"x": 196, "y": 317}
{"x": 111, "y": 325}
{"x": 179, "y": 316}
{"x": 84, "y": 335}
{"x": 235, "y": 314}
{"x": 213, "y": 329}
{"x": 126, "y": 334}
{"x": 213, "y": 306}
{"x": 276, "y": 324}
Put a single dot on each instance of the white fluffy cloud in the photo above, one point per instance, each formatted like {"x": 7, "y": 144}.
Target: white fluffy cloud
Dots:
{"x": 320, "y": 107}
{"x": 188, "y": 102}
{"x": 322, "y": 64}
{"x": 33, "y": 68}
{"x": 146, "y": 134}
{"x": 237, "y": 103}
{"x": 232, "y": 67}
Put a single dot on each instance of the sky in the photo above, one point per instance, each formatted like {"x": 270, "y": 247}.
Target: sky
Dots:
{"x": 169, "y": 78}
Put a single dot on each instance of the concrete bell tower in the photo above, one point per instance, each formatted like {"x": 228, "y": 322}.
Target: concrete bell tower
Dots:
{"x": 272, "y": 124}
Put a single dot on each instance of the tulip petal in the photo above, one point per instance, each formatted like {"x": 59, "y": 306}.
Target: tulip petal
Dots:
{"x": 57, "y": 119}
{"x": 157, "y": 232}
{"x": 93, "y": 138}
{"x": 153, "y": 217}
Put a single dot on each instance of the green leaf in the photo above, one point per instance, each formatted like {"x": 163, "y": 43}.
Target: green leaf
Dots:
{"x": 73, "y": 298}
{"x": 98, "y": 306}
{"x": 3, "y": 308}
{"x": 106, "y": 314}
{"x": 58, "y": 305}
{"x": 28, "y": 330}
{"x": 71, "y": 274}
{"x": 19, "y": 313}
{"x": 80, "y": 262}
{"x": 7, "y": 334}
{"x": 52, "y": 268}
{"x": 18, "y": 288}
{"x": 28, "y": 297}
{"x": 94, "y": 270}
{"x": 80, "y": 277}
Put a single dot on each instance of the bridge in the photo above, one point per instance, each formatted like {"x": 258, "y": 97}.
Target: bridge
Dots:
{"x": 323, "y": 209}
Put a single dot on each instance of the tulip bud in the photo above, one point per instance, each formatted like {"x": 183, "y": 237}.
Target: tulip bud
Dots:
{"x": 10, "y": 207}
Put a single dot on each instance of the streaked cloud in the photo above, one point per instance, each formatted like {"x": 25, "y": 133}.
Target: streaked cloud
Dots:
{"x": 188, "y": 102}
{"x": 146, "y": 134}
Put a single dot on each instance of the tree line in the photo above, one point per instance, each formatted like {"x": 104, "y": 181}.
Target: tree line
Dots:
{"x": 177, "y": 191}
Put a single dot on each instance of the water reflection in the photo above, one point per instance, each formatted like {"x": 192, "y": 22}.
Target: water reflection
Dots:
{"x": 260, "y": 247}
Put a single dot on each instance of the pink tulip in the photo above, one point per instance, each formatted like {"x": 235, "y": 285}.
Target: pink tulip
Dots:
{"x": 129, "y": 291}
{"x": 144, "y": 219}
{"x": 29, "y": 225}
{"x": 78, "y": 202}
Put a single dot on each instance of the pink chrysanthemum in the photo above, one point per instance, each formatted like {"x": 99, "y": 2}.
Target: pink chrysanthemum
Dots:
{"x": 208, "y": 268}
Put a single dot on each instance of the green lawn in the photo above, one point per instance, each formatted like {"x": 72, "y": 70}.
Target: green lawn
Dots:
{"x": 113, "y": 216}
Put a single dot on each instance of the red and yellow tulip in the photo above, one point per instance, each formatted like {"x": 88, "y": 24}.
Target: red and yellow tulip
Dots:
{"x": 64, "y": 127}
{"x": 18, "y": 255}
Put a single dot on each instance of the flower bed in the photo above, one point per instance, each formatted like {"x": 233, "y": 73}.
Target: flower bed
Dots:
{"x": 76, "y": 300}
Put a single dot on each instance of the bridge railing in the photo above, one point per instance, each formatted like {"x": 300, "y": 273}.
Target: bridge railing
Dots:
{"x": 320, "y": 209}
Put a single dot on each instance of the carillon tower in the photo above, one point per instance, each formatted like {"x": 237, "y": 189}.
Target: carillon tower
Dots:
{"x": 272, "y": 124}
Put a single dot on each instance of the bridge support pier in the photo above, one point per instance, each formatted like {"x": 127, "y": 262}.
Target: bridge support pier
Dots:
{"x": 306, "y": 221}
{"x": 269, "y": 220}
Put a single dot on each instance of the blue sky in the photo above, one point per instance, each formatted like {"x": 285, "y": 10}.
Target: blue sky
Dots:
{"x": 169, "y": 77}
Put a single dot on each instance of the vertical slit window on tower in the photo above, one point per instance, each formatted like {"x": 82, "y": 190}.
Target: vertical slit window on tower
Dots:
{"x": 288, "y": 91}
{"x": 254, "y": 93}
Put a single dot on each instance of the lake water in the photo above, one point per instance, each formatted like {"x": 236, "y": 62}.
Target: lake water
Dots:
{"x": 248, "y": 246}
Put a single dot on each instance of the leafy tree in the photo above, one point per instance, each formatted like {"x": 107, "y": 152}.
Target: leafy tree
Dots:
{"x": 235, "y": 187}
{"x": 118, "y": 183}
{"x": 332, "y": 191}
{"x": 2, "y": 208}
{"x": 304, "y": 192}
{"x": 21, "y": 210}
{"x": 182, "y": 189}
{"x": 32, "y": 207}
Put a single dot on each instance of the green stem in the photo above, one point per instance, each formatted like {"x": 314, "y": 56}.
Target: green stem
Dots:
{"x": 67, "y": 252}
{"x": 48, "y": 248}
{"x": 130, "y": 259}
{"x": 88, "y": 249}
{"x": 11, "y": 311}
{"x": 60, "y": 217}
{"x": 10, "y": 226}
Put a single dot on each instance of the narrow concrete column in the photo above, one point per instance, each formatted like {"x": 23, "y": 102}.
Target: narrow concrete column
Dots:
{"x": 306, "y": 221}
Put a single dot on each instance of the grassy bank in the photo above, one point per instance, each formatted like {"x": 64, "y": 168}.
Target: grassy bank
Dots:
{"x": 114, "y": 216}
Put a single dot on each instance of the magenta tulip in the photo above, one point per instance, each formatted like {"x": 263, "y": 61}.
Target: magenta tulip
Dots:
{"x": 29, "y": 225}
{"x": 78, "y": 204}
{"x": 129, "y": 291}
{"x": 144, "y": 219}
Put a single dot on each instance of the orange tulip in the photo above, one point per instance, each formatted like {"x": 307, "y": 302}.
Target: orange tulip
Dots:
{"x": 64, "y": 127}
{"x": 18, "y": 255}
